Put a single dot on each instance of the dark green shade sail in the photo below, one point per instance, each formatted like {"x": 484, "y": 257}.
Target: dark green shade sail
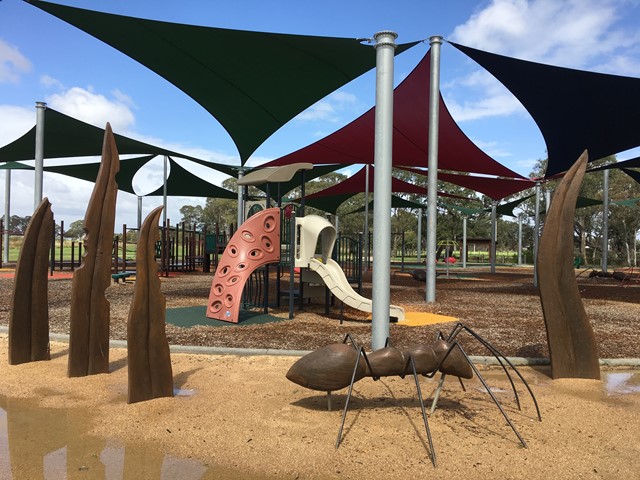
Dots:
{"x": 251, "y": 82}
{"x": 464, "y": 210}
{"x": 574, "y": 109}
{"x": 89, "y": 171}
{"x": 396, "y": 202}
{"x": 66, "y": 137}
{"x": 183, "y": 183}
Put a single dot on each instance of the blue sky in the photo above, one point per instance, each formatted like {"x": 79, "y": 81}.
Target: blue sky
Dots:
{"x": 45, "y": 59}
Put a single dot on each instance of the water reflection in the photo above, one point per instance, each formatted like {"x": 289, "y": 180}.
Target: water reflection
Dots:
{"x": 620, "y": 383}
{"x": 46, "y": 443}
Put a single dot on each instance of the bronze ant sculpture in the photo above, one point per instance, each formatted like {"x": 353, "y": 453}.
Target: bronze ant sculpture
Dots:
{"x": 339, "y": 365}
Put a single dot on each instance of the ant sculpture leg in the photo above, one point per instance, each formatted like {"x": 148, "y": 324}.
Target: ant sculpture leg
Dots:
{"x": 361, "y": 352}
{"x": 499, "y": 356}
{"x": 455, "y": 344}
{"x": 424, "y": 413}
{"x": 411, "y": 362}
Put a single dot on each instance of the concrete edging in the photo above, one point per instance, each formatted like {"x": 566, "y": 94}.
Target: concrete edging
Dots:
{"x": 201, "y": 350}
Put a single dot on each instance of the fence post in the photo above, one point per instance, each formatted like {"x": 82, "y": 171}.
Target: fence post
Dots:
{"x": 61, "y": 243}
{"x": 124, "y": 247}
{"x": 52, "y": 263}
{"x": 4, "y": 248}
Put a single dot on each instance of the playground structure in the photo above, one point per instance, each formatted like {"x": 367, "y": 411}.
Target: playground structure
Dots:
{"x": 258, "y": 243}
{"x": 308, "y": 230}
{"x": 255, "y": 244}
{"x": 339, "y": 365}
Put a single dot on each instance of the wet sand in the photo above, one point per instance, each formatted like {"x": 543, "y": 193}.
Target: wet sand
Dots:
{"x": 239, "y": 417}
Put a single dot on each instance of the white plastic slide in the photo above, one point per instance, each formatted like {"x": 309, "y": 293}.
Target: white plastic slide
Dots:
{"x": 335, "y": 279}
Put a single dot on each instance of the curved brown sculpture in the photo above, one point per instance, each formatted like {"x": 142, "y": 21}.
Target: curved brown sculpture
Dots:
{"x": 150, "y": 374}
{"x": 572, "y": 344}
{"x": 29, "y": 317}
{"x": 89, "y": 320}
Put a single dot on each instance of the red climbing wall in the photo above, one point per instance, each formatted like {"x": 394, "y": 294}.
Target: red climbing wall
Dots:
{"x": 256, "y": 243}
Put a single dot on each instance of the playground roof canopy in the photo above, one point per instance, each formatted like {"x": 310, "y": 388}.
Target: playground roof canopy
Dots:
{"x": 285, "y": 173}
{"x": 235, "y": 75}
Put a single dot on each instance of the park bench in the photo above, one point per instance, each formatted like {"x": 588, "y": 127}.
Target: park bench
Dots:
{"x": 121, "y": 276}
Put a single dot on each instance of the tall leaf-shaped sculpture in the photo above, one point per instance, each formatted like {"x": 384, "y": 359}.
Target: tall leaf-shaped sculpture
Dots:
{"x": 150, "y": 374}
{"x": 89, "y": 321}
{"x": 29, "y": 317}
{"x": 572, "y": 345}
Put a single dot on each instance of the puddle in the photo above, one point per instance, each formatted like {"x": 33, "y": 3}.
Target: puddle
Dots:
{"x": 621, "y": 383}
{"x": 184, "y": 392}
{"x": 52, "y": 443}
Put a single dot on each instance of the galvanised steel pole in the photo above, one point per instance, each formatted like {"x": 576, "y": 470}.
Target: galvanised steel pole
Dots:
{"x": 7, "y": 215}
{"x": 536, "y": 235}
{"x": 366, "y": 213}
{"x": 240, "y": 200}
{"x": 464, "y": 242}
{"x": 494, "y": 234}
{"x": 139, "y": 212}
{"x": 39, "y": 154}
{"x": 432, "y": 175}
{"x": 419, "y": 240}
{"x": 385, "y": 48}
{"x": 605, "y": 220}
{"x": 165, "y": 175}
{"x": 520, "y": 239}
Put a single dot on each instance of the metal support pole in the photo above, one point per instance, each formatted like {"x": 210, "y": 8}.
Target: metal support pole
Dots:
{"x": 139, "y": 212}
{"x": 39, "y": 154}
{"x": 7, "y": 215}
{"x": 494, "y": 233}
{"x": 464, "y": 241}
{"x": 520, "y": 239}
{"x": 432, "y": 174}
{"x": 419, "y": 239}
{"x": 366, "y": 212}
{"x": 240, "y": 199}
{"x": 536, "y": 235}
{"x": 381, "y": 291}
{"x": 165, "y": 176}
{"x": 605, "y": 220}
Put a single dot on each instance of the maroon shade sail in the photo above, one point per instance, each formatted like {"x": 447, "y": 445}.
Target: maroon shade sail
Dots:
{"x": 356, "y": 184}
{"x": 331, "y": 198}
{"x": 354, "y": 143}
{"x": 495, "y": 188}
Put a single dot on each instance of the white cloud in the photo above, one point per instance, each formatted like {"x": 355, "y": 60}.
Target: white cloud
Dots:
{"x": 93, "y": 108}
{"x": 330, "y": 108}
{"x": 583, "y": 34}
{"x": 12, "y": 63}
{"x": 491, "y": 98}
{"x": 493, "y": 149}
{"x": 571, "y": 33}
{"x": 15, "y": 121}
{"x": 51, "y": 82}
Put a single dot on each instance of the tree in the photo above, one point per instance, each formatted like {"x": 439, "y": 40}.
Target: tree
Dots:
{"x": 18, "y": 225}
{"x": 192, "y": 215}
{"x": 75, "y": 231}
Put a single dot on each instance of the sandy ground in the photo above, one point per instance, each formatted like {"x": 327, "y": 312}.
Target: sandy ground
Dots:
{"x": 239, "y": 417}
